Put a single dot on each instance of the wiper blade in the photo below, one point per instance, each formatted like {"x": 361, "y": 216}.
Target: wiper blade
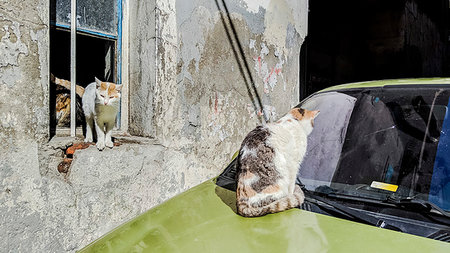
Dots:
{"x": 355, "y": 215}
{"x": 416, "y": 204}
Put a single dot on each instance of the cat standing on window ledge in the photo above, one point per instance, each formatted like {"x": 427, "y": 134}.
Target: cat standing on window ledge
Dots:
{"x": 101, "y": 101}
{"x": 268, "y": 163}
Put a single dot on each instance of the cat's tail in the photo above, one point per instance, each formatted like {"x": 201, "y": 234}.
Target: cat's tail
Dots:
{"x": 66, "y": 84}
{"x": 285, "y": 203}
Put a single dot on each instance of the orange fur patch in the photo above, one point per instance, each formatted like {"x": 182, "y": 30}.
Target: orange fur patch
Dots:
{"x": 111, "y": 88}
{"x": 112, "y": 91}
{"x": 271, "y": 189}
{"x": 297, "y": 114}
{"x": 248, "y": 175}
{"x": 310, "y": 114}
{"x": 247, "y": 192}
{"x": 103, "y": 86}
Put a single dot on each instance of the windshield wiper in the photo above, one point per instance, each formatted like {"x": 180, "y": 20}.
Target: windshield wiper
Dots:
{"x": 352, "y": 213}
{"x": 419, "y": 205}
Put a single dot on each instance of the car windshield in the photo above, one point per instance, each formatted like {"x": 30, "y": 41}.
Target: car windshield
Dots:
{"x": 380, "y": 142}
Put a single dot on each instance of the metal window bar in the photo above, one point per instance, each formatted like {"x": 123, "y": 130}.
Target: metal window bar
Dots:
{"x": 73, "y": 33}
{"x": 119, "y": 57}
{"x": 73, "y": 70}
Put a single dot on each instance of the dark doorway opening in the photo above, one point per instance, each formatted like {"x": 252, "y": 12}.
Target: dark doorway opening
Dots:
{"x": 363, "y": 40}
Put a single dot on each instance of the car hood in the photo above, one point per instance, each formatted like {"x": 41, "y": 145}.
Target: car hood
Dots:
{"x": 204, "y": 219}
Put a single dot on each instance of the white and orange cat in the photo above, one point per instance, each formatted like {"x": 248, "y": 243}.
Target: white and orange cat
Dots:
{"x": 269, "y": 159}
{"x": 101, "y": 102}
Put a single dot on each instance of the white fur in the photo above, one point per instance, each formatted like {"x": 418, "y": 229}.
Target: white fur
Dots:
{"x": 100, "y": 112}
{"x": 262, "y": 196}
{"x": 289, "y": 140}
{"x": 250, "y": 181}
{"x": 246, "y": 152}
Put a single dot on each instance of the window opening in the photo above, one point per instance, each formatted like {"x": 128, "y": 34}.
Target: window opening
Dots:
{"x": 98, "y": 54}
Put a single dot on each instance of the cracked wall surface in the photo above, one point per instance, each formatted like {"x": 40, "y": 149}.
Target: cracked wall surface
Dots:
{"x": 142, "y": 63}
{"x": 44, "y": 211}
{"x": 24, "y": 38}
{"x": 194, "y": 67}
{"x": 210, "y": 57}
{"x": 23, "y": 70}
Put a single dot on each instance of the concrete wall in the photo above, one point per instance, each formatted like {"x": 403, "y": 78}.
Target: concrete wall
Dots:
{"x": 141, "y": 65}
{"x": 23, "y": 71}
{"x": 216, "y": 63}
{"x": 24, "y": 116}
{"x": 196, "y": 79}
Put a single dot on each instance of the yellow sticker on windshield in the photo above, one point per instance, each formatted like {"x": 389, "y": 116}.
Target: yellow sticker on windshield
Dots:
{"x": 384, "y": 186}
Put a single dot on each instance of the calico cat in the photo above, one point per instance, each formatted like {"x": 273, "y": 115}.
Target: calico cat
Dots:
{"x": 62, "y": 102}
{"x": 62, "y": 109}
{"x": 79, "y": 90}
{"x": 101, "y": 101}
{"x": 268, "y": 162}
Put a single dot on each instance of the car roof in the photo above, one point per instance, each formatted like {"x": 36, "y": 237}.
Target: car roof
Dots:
{"x": 391, "y": 82}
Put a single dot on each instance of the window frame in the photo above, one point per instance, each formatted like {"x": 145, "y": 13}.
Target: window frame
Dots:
{"x": 121, "y": 122}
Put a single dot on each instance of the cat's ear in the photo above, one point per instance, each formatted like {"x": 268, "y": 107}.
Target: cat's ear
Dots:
{"x": 315, "y": 113}
{"x": 98, "y": 82}
{"x": 119, "y": 87}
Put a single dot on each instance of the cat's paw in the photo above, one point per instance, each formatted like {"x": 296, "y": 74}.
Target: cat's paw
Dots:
{"x": 88, "y": 139}
{"x": 100, "y": 145}
{"x": 298, "y": 193}
{"x": 109, "y": 144}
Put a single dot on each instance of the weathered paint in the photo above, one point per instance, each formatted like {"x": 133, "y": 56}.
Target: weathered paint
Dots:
{"x": 141, "y": 52}
{"x": 23, "y": 71}
{"x": 192, "y": 91}
{"x": 255, "y": 6}
{"x": 187, "y": 88}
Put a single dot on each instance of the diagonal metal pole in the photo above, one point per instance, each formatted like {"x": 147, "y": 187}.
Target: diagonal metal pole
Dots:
{"x": 73, "y": 71}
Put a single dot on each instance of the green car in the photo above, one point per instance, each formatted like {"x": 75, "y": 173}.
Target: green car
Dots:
{"x": 376, "y": 178}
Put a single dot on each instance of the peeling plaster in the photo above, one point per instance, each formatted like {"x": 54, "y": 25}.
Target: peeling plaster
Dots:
{"x": 218, "y": 105}
{"x": 11, "y": 47}
{"x": 279, "y": 16}
{"x": 268, "y": 110}
{"x": 192, "y": 33}
{"x": 268, "y": 74}
{"x": 255, "y": 6}
{"x": 185, "y": 81}
{"x": 24, "y": 71}
{"x": 166, "y": 92}
{"x": 142, "y": 54}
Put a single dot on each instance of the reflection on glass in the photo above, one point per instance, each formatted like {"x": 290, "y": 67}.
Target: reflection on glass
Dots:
{"x": 99, "y": 15}
{"x": 390, "y": 136}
